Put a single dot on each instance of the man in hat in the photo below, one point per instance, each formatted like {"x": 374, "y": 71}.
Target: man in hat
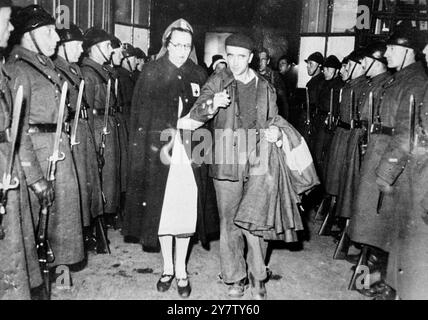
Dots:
{"x": 31, "y": 67}
{"x": 17, "y": 240}
{"x": 333, "y": 83}
{"x": 399, "y": 172}
{"x": 84, "y": 152}
{"x": 168, "y": 199}
{"x": 241, "y": 100}
{"x": 273, "y": 77}
{"x": 97, "y": 45}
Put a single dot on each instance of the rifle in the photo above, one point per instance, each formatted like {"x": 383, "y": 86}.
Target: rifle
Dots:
{"x": 8, "y": 183}
{"x": 116, "y": 94}
{"x": 371, "y": 116}
{"x": 44, "y": 250}
{"x": 73, "y": 141}
{"x": 101, "y": 151}
{"x": 308, "y": 122}
{"x": 351, "y": 110}
{"x": 412, "y": 135}
{"x": 330, "y": 119}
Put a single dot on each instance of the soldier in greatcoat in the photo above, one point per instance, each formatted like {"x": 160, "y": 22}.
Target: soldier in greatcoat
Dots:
{"x": 374, "y": 222}
{"x": 83, "y": 148}
{"x": 97, "y": 44}
{"x": 19, "y": 267}
{"x": 31, "y": 67}
{"x": 399, "y": 175}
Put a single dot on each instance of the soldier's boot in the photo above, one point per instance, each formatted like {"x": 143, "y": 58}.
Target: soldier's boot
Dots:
{"x": 329, "y": 220}
{"x": 101, "y": 235}
{"x": 342, "y": 247}
{"x": 39, "y": 293}
{"x": 90, "y": 240}
{"x": 323, "y": 208}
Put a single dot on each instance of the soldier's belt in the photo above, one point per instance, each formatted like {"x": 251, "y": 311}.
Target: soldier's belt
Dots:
{"x": 44, "y": 128}
{"x": 4, "y": 136}
{"x": 83, "y": 114}
{"x": 343, "y": 125}
{"x": 101, "y": 112}
{"x": 380, "y": 129}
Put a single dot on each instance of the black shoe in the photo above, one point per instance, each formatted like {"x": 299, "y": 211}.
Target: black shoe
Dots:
{"x": 258, "y": 289}
{"x": 352, "y": 258}
{"x": 185, "y": 291}
{"x": 163, "y": 286}
{"x": 237, "y": 290}
{"x": 90, "y": 243}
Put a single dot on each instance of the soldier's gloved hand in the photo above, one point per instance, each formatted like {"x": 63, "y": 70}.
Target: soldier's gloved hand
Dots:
{"x": 384, "y": 186}
{"x": 44, "y": 191}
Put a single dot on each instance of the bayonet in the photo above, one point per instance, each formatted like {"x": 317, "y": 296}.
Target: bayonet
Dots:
{"x": 371, "y": 116}
{"x": 330, "y": 114}
{"x": 351, "y": 110}
{"x": 74, "y": 141}
{"x": 44, "y": 251}
{"x": 7, "y": 182}
{"x": 412, "y": 124}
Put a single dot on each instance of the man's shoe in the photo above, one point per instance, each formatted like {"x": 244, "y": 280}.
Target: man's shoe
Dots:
{"x": 352, "y": 258}
{"x": 164, "y": 282}
{"x": 237, "y": 290}
{"x": 184, "y": 291}
{"x": 39, "y": 293}
{"x": 258, "y": 289}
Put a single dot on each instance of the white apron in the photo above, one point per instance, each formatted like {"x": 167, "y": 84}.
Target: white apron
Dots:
{"x": 180, "y": 204}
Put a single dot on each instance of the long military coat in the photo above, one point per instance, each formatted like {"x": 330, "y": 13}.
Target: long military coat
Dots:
{"x": 323, "y": 136}
{"x": 42, "y": 85}
{"x": 408, "y": 175}
{"x": 19, "y": 266}
{"x": 96, "y": 77}
{"x": 154, "y": 109}
{"x": 368, "y": 227}
{"x": 337, "y": 153}
{"x": 350, "y": 173}
{"x": 84, "y": 153}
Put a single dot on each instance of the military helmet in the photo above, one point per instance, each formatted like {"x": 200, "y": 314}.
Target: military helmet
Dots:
{"x": 357, "y": 55}
{"x": 316, "y": 57}
{"x": 5, "y": 3}
{"x": 115, "y": 42}
{"x": 30, "y": 18}
{"x": 128, "y": 50}
{"x": 332, "y": 62}
{"x": 140, "y": 53}
{"x": 72, "y": 34}
{"x": 406, "y": 36}
{"x": 94, "y": 36}
{"x": 376, "y": 51}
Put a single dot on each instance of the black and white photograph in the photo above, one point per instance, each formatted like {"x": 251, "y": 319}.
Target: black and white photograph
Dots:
{"x": 234, "y": 151}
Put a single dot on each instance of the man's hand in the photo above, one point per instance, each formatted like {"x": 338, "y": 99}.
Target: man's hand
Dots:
{"x": 273, "y": 134}
{"x": 384, "y": 186}
{"x": 221, "y": 100}
{"x": 44, "y": 191}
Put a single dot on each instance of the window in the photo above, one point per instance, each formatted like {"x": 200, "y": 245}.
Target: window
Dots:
{"x": 328, "y": 26}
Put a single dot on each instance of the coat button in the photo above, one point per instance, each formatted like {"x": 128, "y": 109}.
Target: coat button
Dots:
{"x": 186, "y": 100}
{"x": 140, "y": 129}
{"x": 144, "y": 204}
{"x": 179, "y": 77}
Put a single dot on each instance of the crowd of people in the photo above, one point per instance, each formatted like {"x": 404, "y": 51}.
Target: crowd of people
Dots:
{"x": 94, "y": 136}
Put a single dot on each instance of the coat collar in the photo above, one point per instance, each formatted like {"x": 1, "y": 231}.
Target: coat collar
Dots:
{"x": 101, "y": 70}
{"x": 19, "y": 52}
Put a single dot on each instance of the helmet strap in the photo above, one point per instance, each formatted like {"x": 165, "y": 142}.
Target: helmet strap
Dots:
{"x": 404, "y": 59}
{"x": 102, "y": 53}
{"x": 369, "y": 68}
{"x": 33, "y": 39}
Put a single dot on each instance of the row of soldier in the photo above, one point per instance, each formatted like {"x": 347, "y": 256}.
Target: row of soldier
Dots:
{"x": 68, "y": 178}
{"x": 366, "y": 124}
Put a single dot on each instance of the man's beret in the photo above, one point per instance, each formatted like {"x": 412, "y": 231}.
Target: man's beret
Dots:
{"x": 240, "y": 40}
